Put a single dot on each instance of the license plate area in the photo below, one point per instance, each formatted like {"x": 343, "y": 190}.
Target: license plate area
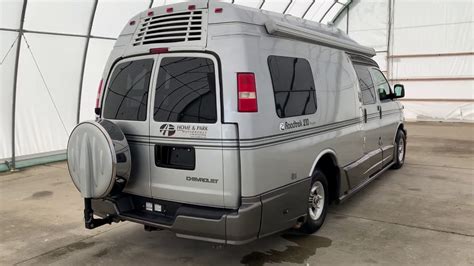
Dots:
{"x": 175, "y": 156}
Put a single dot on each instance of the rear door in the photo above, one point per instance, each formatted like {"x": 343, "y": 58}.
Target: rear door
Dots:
{"x": 186, "y": 155}
{"x": 127, "y": 104}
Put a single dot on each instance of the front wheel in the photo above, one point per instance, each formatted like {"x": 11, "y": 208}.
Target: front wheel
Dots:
{"x": 400, "y": 150}
{"x": 317, "y": 203}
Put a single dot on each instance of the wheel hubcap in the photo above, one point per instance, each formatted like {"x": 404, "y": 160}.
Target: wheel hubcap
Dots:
{"x": 401, "y": 150}
{"x": 316, "y": 200}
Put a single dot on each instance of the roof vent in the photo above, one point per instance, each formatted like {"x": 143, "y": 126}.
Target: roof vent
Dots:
{"x": 170, "y": 28}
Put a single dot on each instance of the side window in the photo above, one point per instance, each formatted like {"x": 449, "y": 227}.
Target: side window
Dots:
{"x": 381, "y": 84}
{"x": 127, "y": 91}
{"x": 186, "y": 91}
{"x": 293, "y": 86}
{"x": 365, "y": 83}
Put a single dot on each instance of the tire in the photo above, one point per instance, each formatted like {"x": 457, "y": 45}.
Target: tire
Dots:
{"x": 317, "y": 210}
{"x": 400, "y": 150}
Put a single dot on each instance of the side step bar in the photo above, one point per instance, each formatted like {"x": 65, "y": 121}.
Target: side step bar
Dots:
{"x": 363, "y": 184}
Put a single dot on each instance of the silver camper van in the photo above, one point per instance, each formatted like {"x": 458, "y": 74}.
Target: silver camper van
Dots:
{"x": 227, "y": 124}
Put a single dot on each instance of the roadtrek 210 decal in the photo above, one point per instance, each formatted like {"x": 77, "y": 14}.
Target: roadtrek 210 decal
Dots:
{"x": 295, "y": 124}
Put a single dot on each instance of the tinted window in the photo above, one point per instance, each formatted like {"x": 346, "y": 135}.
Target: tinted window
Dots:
{"x": 293, "y": 86}
{"x": 381, "y": 84}
{"x": 365, "y": 83}
{"x": 127, "y": 92}
{"x": 186, "y": 91}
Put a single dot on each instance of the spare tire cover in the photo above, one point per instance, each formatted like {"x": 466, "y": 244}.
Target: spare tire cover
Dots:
{"x": 98, "y": 158}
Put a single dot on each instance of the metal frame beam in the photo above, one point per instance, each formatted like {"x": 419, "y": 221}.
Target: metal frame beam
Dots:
{"x": 60, "y": 34}
{"x": 84, "y": 57}
{"x": 309, "y": 7}
{"x": 288, "y": 6}
{"x": 437, "y": 100}
{"x": 329, "y": 9}
{"x": 389, "y": 38}
{"x": 347, "y": 19}
{"x": 346, "y": 6}
{"x": 431, "y": 55}
{"x": 433, "y": 79}
{"x": 15, "y": 82}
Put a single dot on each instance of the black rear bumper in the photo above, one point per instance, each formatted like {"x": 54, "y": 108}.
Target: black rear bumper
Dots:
{"x": 188, "y": 221}
{"x": 257, "y": 216}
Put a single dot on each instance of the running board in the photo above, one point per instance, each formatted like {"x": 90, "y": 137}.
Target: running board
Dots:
{"x": 363, "y": 184}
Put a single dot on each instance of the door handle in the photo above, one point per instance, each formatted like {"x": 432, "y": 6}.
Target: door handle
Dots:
{"x": 365, "y": 115}
{"x": 380, "y": 111}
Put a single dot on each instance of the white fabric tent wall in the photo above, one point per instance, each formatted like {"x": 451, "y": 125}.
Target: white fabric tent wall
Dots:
{"x": 65, "y": 44}
{"x": 429, "y": 50}
{"x": 63, "y": 48}
{"x": 63, "y": 51}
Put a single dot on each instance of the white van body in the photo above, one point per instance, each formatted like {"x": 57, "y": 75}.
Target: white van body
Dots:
{"x": 233, "y": 176}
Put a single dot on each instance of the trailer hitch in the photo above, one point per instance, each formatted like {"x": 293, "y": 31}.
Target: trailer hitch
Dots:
{"x": 89, "y": 221}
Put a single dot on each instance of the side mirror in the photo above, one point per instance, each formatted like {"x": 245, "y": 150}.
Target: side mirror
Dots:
{"x": 399, "y": 91}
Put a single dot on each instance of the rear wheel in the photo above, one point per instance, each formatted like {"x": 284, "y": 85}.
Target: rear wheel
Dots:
{"x": 318, "y": 200}
{"x": 400, "y": 150}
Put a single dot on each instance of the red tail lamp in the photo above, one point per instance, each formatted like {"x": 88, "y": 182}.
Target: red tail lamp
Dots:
{"x": 247, "y": 92}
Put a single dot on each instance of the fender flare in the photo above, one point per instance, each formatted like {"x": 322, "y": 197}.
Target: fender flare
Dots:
{"x": 401, "y": 126}
{"x": 321, "y": 154}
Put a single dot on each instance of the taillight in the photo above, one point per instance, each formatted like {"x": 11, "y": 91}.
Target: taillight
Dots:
{"x": 247, "y": 92}
{"x": 99, "y": 91}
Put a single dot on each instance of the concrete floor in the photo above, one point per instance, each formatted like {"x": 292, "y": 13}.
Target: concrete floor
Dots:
{"x": 420, "y": 214}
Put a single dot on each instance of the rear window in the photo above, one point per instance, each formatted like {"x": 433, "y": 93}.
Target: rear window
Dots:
{"x": 127, "y": 91}
{"x": 186, "y": 91}
{"x": 293, "y": 86}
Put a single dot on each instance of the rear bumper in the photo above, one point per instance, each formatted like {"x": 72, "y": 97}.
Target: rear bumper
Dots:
{"x": 257, "y": 216}
{"x": 208, "y": 224}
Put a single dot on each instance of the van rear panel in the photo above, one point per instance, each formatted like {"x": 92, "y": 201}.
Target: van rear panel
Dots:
{"x": 179, "y": 144}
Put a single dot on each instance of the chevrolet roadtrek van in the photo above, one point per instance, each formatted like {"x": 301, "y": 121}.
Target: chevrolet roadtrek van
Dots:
{"x": 227, "y": 124}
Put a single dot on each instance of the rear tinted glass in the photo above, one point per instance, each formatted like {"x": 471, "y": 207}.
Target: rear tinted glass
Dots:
{"x": 186, "y": 91}
{"x": 293, "y": 86}
{"x": 127, "y": 91}
{"x": 366, "y": 84}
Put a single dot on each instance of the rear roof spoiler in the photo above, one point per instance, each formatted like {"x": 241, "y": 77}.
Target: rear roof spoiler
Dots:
{"x": 285, "y": 29}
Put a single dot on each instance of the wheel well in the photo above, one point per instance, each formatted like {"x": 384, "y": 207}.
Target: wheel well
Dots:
{"x": 402, "y": 127}
{"x": 328, "y": 165}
